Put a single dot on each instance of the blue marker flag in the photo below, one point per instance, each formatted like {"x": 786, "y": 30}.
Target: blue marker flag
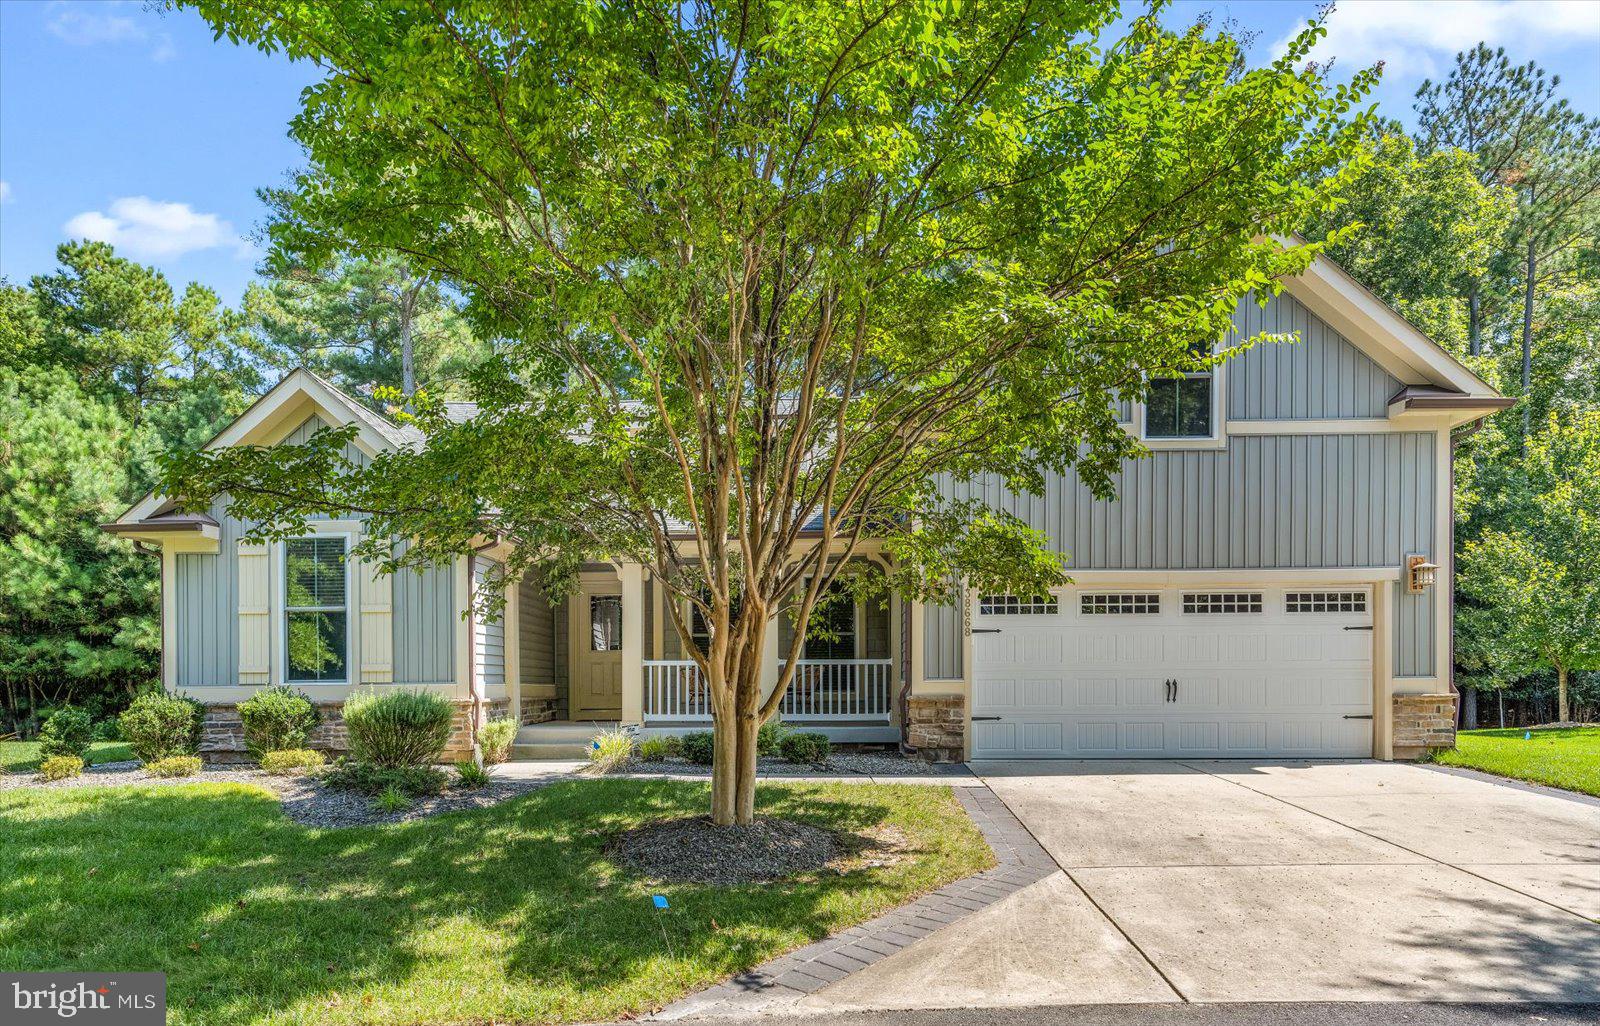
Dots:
{"x": 660, "y": 900}
{"x": 1527, "y": 735}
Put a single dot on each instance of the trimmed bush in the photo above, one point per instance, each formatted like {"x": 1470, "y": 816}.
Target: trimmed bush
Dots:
{"x": 471, "y": 776}
{"x": 68, "y": 731}
{"x": 494, "y": 740}
{"x": 60, "y": 767}
{"x": 699, "y": 747}
{"x": 174, "y": 766}
{"x": 769, "y": 738}
{"x": 366, "y": 778}
{"x": 276, "y": 719}
{"x": 158, "y": 725}
{"x": 807, "y": 747}
{"x": 398, "y": 728}
{"x": 610, "y": 749}
{"x": 109, "y": 729}
{"x": 291, "y": 760}
{"x": 659, "y": 749}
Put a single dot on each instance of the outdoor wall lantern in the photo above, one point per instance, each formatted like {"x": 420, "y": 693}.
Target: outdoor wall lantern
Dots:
{"x": 1419, "y": 573}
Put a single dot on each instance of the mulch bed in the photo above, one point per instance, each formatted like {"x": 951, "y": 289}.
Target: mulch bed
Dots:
{"x": 692, "y": 850}
{"x": 306, "y": 800}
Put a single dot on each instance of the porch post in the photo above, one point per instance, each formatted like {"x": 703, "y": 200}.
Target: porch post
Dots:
{"x": 632, "y": 575}
{"x": 769, "y": 657}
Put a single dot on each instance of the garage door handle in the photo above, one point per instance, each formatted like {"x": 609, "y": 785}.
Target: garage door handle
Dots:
{"x": 985, "y": 630}
{"x": 977, "y": 718}
{"x": 1368, "y": 716}
{"x": 1368, "y": 627}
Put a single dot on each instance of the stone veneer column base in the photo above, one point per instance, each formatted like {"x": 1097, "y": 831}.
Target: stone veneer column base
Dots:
{"x": 1423, "y": 723}
{"x": 936, "y": 727}
{"x": 538, "y": 710}
{"x": 222, "y": 732}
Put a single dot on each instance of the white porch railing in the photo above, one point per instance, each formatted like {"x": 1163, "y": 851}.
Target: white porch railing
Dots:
{"x": 840, "y": 689}
{"x": 855, "y": 690}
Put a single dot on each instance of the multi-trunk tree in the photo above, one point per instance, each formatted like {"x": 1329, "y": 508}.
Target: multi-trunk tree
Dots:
{"x": 765, "y": 272}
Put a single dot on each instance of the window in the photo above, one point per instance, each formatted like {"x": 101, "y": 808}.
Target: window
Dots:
{"x": 834, "y": 620}
{"x": 605, "y": 623}
{"x": 1179, "y": 407}
{"x": 1222, "y": 602}
{"x": 1096, "y": 605}
{"x": 1011, "y": 605}
{"x": 316, "y": 620}
{"x": 700, "y": 627}
{"x": 1326, "y": 602}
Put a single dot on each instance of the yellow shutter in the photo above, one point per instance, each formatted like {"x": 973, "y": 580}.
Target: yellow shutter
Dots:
{"x": 255, "y": 615}
{"x": 377, "y": 623}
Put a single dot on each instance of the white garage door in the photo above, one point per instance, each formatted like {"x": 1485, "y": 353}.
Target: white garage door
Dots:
{"x": 1169, "y": 673}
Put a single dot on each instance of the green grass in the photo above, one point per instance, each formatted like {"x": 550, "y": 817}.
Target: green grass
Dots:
{"x": 1567, "y": 758}
{"x": 23, "y": 756}
{"x": 508, "y": 914}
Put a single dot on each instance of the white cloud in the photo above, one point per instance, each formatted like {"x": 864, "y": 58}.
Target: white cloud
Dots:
{"x": 147, "y": 229}
{"x": 5, "y": 191}
{"x": 1417, "y": 38}
{"x": 108, "y": 22}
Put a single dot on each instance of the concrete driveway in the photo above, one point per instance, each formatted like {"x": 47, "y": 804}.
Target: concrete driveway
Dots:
{"x": 1228, "y": 881}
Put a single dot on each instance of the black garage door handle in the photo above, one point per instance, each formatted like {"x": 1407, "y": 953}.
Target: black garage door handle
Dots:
{"x": 1366, "y": 717}
{"x": 1368, "y": 627}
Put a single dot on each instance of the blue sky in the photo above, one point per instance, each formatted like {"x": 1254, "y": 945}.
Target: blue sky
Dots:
{"x": 135, "y": 127}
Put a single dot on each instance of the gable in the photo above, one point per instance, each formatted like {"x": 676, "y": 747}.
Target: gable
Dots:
{"x": 1321, "y": 376}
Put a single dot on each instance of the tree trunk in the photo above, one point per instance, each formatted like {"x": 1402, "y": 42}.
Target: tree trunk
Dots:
{"x": 1527, "y": 335}
{"x": 1474, "y": 322}
{"x": 733, "y": 769}
{"x": 1562, "y": 709}
{"x": 408, "y": 367}
{"x": 1469, "y": 708}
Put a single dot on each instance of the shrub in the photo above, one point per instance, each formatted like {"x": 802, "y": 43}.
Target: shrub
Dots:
{"x": 369, "y": 779}
{"x": 659, "y": 749}
{"x": 807, "y": 747}
{"x": 610, "y": 749}
{"x": 398, "y": 728}
{"x": 494, "y": 740}
{"x": 471, "y": 776}
{"x": 60, "y": 767}
{"x": 291, "y": 760}
{"x": 276, "y": 719}
{"x": 769, "y": 738}
{"x": 392, "y": 799}
{"x": 698, "y": 747}
{"x": 174, "y": 766}
{"x": 109, "y": 729}
{"x": 157, "y": 725}
{"x": 68, "y": 731}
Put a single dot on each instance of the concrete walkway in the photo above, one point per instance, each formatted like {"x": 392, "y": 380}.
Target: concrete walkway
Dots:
{"x": 1294, "y": 882}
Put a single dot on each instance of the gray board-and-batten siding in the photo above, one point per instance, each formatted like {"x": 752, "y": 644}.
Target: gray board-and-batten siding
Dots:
{"x": 206, "y": 608}
{"x": 1277, "y": 502}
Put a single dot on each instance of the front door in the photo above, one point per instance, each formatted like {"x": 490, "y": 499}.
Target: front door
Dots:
{"x": 597, "y": 650}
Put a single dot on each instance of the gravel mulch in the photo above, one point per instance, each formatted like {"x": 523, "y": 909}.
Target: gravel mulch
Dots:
{"x": 305, "y": 799}
{"x": 691, "y": 850}
{"x": 863, "y": 764}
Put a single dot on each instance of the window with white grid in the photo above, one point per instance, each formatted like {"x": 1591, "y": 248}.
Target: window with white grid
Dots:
{"x": 1326, "y": 602}
{"x": 1222, "y": 602}
{"x": 1095, "y": 605}
{"x": 1011, "y": 605}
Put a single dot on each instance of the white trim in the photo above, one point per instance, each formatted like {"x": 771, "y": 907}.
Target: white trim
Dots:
{"x": 169, "y": 619}
{"x": 1273, "y": 577}
{"x": 1351, "y": 426}
{"x": 1444, "y": 555}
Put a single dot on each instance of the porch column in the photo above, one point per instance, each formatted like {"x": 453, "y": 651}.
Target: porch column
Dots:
{"x": 632, "y": 576}
{"x": 769, "y": 657}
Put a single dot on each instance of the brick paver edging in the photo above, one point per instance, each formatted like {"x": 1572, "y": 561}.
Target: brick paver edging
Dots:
{"x": 788, "y": 978}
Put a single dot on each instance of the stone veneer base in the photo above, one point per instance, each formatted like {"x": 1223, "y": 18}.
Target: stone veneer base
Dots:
{"x": 936, "y": 727}
{"x": 222, "y": 732}
{"x": 1423, "y": 723}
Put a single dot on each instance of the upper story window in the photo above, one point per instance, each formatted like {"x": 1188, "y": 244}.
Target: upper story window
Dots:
{"x": 316, "y": 615}
{"x": 1182, "y": 407}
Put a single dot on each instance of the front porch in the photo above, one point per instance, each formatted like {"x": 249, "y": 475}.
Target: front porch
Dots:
{"x": 609, "y": 655}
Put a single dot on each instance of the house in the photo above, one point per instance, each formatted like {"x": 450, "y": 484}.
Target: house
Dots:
{"x": 1274, "y": 581}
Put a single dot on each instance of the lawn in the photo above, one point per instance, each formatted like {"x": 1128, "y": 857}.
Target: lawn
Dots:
{"x": 23, "y": 756}
{"x": 1567, "y": 758}
{"x": 509, "y": 914}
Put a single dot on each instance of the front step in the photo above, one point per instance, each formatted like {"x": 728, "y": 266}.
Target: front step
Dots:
{"x": 550, "y": 751}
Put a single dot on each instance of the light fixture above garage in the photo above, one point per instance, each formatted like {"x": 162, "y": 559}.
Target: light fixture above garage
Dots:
{"x": 1419, "y": 573}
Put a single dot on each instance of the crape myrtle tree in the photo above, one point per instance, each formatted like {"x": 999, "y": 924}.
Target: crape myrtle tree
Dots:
{"x": 764, "y": 272}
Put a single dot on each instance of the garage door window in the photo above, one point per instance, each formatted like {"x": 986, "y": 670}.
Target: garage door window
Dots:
{"x": 1014, "y": 605}
{"x": 1326, "y": 602}
{"x": 1102, "y": 605}
{"x": 1221, "y": 602}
